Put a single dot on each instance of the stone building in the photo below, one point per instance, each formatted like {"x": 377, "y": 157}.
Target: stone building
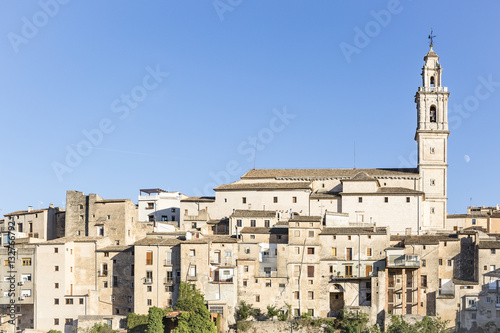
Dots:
{"x": 43, "y": 224}
{"x": 92, "y": 216}
{"x": 159, "y": 205}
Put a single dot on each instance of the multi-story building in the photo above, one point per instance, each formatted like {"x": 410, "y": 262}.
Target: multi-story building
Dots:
{"x": 159, "y": 205}
{"x": 240, "y": 219}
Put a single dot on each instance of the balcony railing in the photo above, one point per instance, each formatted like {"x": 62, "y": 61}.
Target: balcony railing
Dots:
{"x": 168, "y": 280}
{"x": 148, "y": 281}
{"x": 407, "y": 260}
{"x": 433, "y": 89}
{"x": 102, "y": 274}
{"x": 167, "y": 262}
{"x": 224, "y": 280}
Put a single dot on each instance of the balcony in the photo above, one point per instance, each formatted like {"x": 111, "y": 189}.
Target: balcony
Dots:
{"x": 168, "y": 280}
{"x": 148, "y": 281}
{"x": 403, "y": 261}
{"x": 433, "y": 89}
{"x": 223, "y": 280}
{"x": 267, "y": 259}
{"x": 102, "y": 274}
{"x": 167, "y": 262}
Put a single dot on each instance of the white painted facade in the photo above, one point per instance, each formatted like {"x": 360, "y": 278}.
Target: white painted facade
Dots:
{"x": 160, "y": 206}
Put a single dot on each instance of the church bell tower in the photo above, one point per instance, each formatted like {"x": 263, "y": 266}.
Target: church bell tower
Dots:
{"x": 432, "y": 140}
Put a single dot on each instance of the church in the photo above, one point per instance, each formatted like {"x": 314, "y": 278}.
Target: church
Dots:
{"x": 407, "y": 201}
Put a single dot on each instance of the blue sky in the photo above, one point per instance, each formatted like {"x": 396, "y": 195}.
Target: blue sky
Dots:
{"x": 174, "y": 93}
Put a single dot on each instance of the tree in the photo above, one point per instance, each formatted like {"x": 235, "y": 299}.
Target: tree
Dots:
{"x": 427, "y": 325}
{"x": 272, "y": 311}
{"x": 96, "y": 328}
{"x": 246, "y": 310}
{"x": 155, "y": 320}
{"x": 350, "y": 322}
{"x": 197, "y": 318}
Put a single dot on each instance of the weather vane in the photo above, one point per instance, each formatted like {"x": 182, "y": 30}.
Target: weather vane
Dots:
{"x": 431, "y": 37}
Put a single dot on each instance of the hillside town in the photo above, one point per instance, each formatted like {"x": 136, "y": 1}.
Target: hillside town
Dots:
{"x": 377, "y": 241}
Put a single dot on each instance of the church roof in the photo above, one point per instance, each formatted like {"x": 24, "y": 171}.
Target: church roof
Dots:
{"x": 362, "y": 176}
{"x": 431, "y": 53}
{"x": 330, "y": 173}
{"x": 264, "y": 186}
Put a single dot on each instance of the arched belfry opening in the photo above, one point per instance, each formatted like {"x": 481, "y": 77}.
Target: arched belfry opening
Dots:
{"x": 432, "y": 81}
{"x": 432, "y": 114}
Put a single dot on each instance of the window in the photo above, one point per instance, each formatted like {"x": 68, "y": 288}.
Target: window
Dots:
{"x": 56, "y": 250}
{"x": 245, "y": 268}
{"x": 433, "y": 210}
{"x": 172, "y": 210}
{"x": 473, "y": 221}
{"x": 432, "y": 150}
{"x": 433, "y": 182}
{"x": 348, "y": 271}
{"x": 257, "y": 298}
{"x": 492, "y": 251}
{"x": 267, "y": 223}
{"x": 348, "y": 237}
{"x": 193, "y": 225}
{"x": 244, "y": 200}
{"x": 432, "y": 114}
{"x": 423, "y": 281}
{"x": 239, "y": 223}
{"x": 268, "y": 283}
{"x": 310, "y": 234}
{"x": 310, "y": 250}
{"x": 485, "y": 267}
{"x": 432, "y": 81}
{"x": 26, "y": 261}
{"x": 275, "y": 199}
{"x": 450, "y": 263}
{"x": 492, "y": 268}
{"x": 440, "y": 262}
{"x": 407, "y": 199}
{"x": 56, "y": 268}
{"x": 369, "y": 252}
{"x": 56, "y": 301}
{"x": 369, "y": 237}
{"x": 149, "y": 289}
{"x": 106, "y": 254}
{"x": 423, "y": 263}
{"x": 348, "y": 253}
{"x": 310, "y": 271}
{"x": 253, "y": 223}
{"x": 360, "y": 199}
{"x": 81, "y": 300}
{"x": 115, "y": 281}
{"x": 252, "y": 236}
{"x": 296, "y": 270}
{"x": 192, "y": 253}
{"x": 245, "y": 283}
{"x": 294, "y": 199}
{"x": 56, "y": 321}
{"x": 69, "y": 301}
{"x": 56, "y": 285}
{"x": 151, "y": 205}
{"x": 334, "y": 251}
{"x": 149, "y": 302}
{"x": 247, "y": 250}
{"x": 296, "y": 295}
{"x": 149, "y": 257}
{"x": 386, "y": 199}
{"x": 192, "y": 270}
{"x": 310, "y": 295}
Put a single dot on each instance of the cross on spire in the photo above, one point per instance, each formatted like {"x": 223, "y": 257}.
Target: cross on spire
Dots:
{"x": 431, "y": 36}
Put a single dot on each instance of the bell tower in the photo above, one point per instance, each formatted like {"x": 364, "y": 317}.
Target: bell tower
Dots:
{"x": 432, "y": 140}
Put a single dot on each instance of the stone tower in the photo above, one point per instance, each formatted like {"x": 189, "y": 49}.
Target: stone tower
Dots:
{"x": 432, "y": 140}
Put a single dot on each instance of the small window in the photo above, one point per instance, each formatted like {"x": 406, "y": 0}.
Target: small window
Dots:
{"x": 450, "y": 263}
{"x": 252, "y": 236}
{"x": 56, "y": 250}
{"x": 432, "y": 150}
{"x": 106, "y": 254}
{"x": 275, "y": 199}
{"x": 386, "y": 199}
{"x": 239, "y": 223}
{"x": 253, "y": 223}
{"x": 423, "y": 263}
{"x": 149, "y": 302}
{"x": 311, "y": 234}
{"x": 310, "y": 250}
{"x": 56, "y": 285}
{"x": 360, "y": 199}
{"x": 369, "y": 252}
{"x": 432, "y": 114}
{"x": 244, "y": 200}
{"x": 473, "y": 221}
{"x": 257, "y": 298}
{"x": 334, "y": 252}
{"x": 433, "y": 210}
{"x": 348, "y": 237}
{"x": 440, "y": 262}
{"x": 56, "y": 268}
{"x": 407, "y": 199}
{"x": 492, "y": 251}
{"x": 245, "y": 283}
{"x": 56, "y": 301}
{"x": 267, "y": 223}
{"x": 81, "y": 300}
{"x": 108, "y": 217}
{"x": 294, "y": 199}
{"x": 245, "y": 268}
{"x": 192, "y": 253}
{"x": 433, "y": 182}
{"x": 310, "y": 295}
{"x": 69, "y": 301}
{"x": 56, "y": 321}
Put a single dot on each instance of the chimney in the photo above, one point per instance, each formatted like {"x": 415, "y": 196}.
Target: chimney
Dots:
{"x": 51, "y": 205}
{"x": 30, "y": 208}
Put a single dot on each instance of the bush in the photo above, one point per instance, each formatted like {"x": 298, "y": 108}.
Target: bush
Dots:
{"x": 272, "y": 311}
{"x": 54, "y": 331}
{"x": 246, "y": 310}
{"x": 243, "y": 325}
{"x": 282, "y": 316}
{"x": 137, "y": 323}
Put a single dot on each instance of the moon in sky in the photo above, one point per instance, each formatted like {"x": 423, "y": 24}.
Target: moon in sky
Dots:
{"x": 467, "y": 158}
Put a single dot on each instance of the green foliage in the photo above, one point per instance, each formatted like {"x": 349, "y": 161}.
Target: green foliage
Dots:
{"x": 427, "y": 325}
{"x": 155, "y": 320}
{"x": 54, "y": 331}
{"x": 350, "y": 322}
{"x": 137, "y": 323}
{"x": 198, "y": 318}
{"x": 305, "y": 315}
{"x": 246, "y": 310}
{"x": 243, "y": 326}
{"x": 217, "y": 322}
{"x": 282, "y": 316}
{"x": 272, "y": 311}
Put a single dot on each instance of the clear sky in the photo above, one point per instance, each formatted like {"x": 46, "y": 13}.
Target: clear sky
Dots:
{"x": 112, "y": 96}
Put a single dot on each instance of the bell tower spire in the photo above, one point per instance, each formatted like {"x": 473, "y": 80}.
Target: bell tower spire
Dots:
{"x": 432, "y": 140}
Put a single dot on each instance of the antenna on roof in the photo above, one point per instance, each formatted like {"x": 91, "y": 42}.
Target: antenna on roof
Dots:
{"x": 354, "y": 155}
{"x": 255, "y": 157}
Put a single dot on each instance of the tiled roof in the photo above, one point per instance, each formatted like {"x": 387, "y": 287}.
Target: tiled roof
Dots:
{"x": 76, "y": 239}
{"x": 327, "y": 173}
{"x": 116, "y": 248}
{"x": 253, "y": 213}
{"x": 198, "y": 199}
{"x": 265, "y": 186}
{"x": 303, "y": 218}
{"x": 211, "y": 238}
{"x": 362, "y": 176}
{"x": 254, "y": 230}
{"x": 325, "y": 195}
{"x": 424, "y": 239}
{"x": 111, "y": 200}
{"x": 158, "y": 241}
{"x": 488, "y": 244}
{"x": 388, "y": 190}
{"x": 22, "y": 212}
{"x": 353, "y": 230}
